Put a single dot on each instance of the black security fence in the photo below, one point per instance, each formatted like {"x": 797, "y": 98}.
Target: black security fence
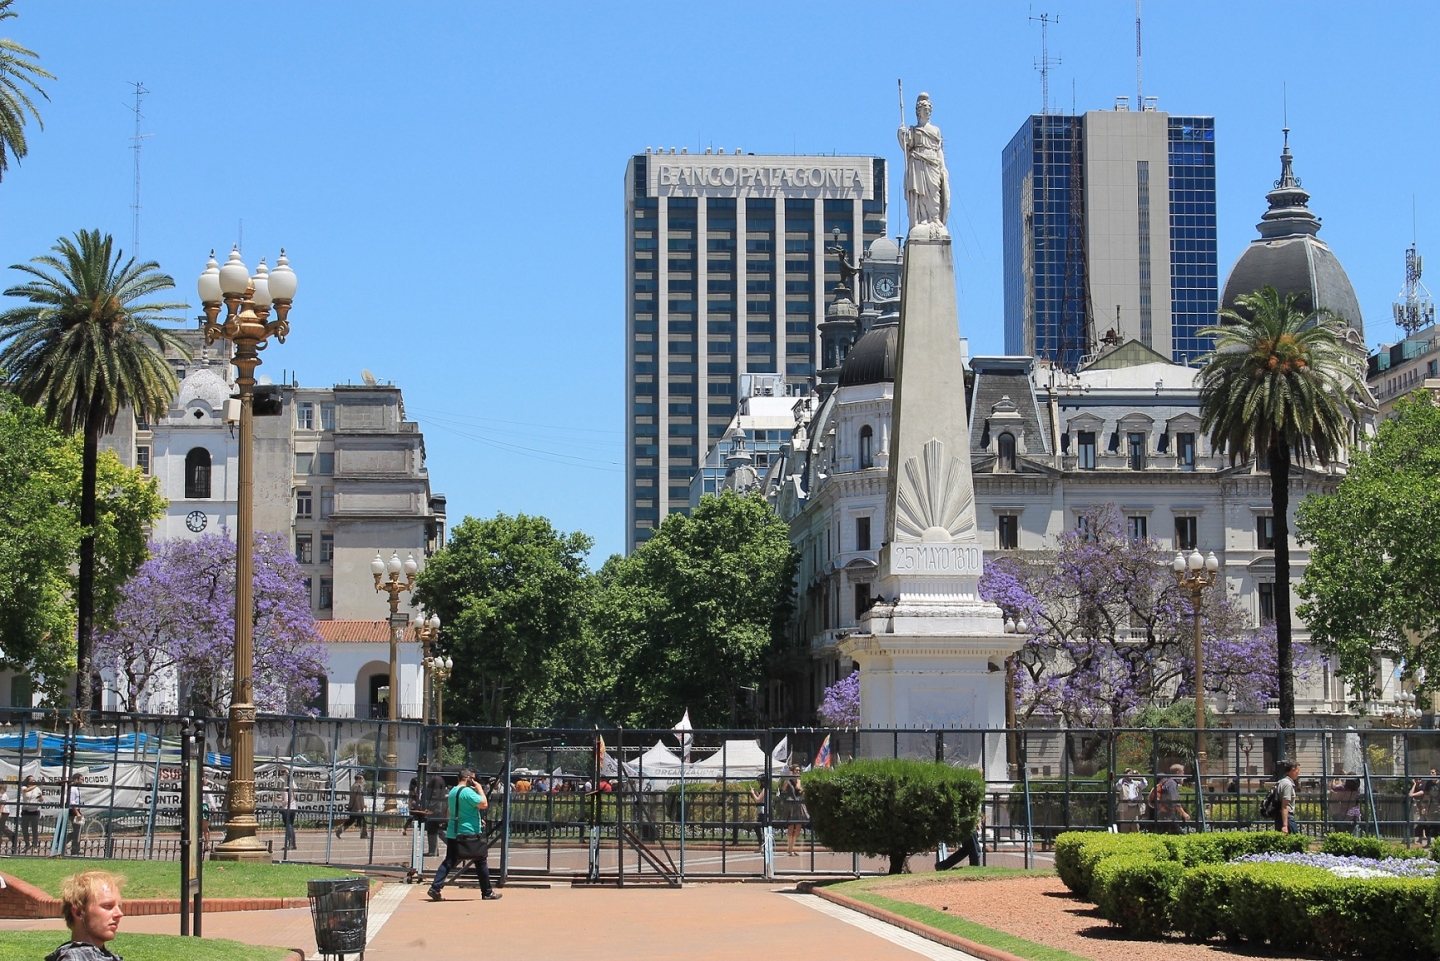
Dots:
{"x": 610, "y": 804}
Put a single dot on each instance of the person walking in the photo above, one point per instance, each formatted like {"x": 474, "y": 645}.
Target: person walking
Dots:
{"x": 1166, "y": 797}
{"x": 288, "y": 810}
{"x": 792, "y": 807}
{"x": 1131, "y": 803}
{"x": 356, "y": 808}
{"x": 463, "y": 837}
{"x": 31, "y": 797}
{"x": 76, "y": 819}
{"x": 437, "y": 812}
{"x": 414, "y": 807}
{"x": 1288, "y": 787}
{"x": 6, "y": 831}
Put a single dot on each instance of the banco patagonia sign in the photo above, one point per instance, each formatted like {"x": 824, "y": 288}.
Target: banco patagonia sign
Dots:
{"x": 962, "y": 560}
{"x": 703, "y": 176}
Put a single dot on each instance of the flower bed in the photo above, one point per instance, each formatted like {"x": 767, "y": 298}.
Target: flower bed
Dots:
{"x": 1261, "y": 887}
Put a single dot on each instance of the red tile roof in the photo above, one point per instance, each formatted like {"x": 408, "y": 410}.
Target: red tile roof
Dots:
{"x": 336, "y": 632}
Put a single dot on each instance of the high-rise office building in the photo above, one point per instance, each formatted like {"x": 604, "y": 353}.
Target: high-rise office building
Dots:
{"x": 726, "y": 274}
{"x": 1109, "y": 225}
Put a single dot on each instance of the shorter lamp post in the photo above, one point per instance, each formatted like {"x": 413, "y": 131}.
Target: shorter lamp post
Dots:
{"x": 1013, "y": 625}
{"x": 1194, "y": 574}
{"x": 1247, "y": 744}
{"x": 427, "y": 632}
{"x": 394, "y": 587}
{"x": 440, "y": 667}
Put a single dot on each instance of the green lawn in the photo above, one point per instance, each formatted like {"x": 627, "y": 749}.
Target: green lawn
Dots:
{"x": 161, "y": 879}
{"x": 866, "y": 890}
{"x": 33, "y": 945}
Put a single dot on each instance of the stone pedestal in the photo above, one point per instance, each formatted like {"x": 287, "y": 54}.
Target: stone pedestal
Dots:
{"x": 931, "y": 652}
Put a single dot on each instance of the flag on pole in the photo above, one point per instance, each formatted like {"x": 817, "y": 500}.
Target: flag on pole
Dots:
{"x": 683, "y": 730}
{"x": 822, "y": 756}
{"x": 599, "y": 753}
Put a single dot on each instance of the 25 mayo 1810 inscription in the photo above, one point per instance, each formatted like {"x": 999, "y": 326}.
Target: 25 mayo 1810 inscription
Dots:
{"x": 961, "y": 560}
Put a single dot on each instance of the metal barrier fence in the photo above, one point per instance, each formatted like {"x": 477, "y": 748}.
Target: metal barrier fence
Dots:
{"x": 613, "y": 804}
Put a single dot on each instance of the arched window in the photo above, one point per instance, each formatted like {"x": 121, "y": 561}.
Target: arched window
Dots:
{"x": 1005, "y": 444}
{"x": 197, "y": 472}
{"x": 867, "y": 447}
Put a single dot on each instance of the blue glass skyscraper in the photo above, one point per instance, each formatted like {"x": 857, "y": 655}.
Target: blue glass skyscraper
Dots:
{"x": 1087, "y": 224}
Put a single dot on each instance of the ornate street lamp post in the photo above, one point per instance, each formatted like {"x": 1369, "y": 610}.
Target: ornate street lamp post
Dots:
{"x": 248, "y": 302}
{"x": 1194, "y": 574}
{"x": 1013, "y": 625}
{"x": 394, "y": 587}
{"x": 427, "y": 632}
{"x": 440, "y": 668}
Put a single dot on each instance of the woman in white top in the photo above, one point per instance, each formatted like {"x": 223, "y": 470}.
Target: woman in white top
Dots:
{"x": 31, "y": 798}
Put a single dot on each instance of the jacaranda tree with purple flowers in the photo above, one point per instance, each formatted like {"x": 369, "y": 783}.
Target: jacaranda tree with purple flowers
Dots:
{"x": 176, "y": 622}
{"x": 841, "y": 706}
{"x": 1108, "y": 631}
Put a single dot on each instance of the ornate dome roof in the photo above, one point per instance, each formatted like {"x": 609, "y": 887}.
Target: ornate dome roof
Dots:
{"x": 872, "y": 359}
{"x": 203, "y": 384}
{"x": 1290, "y": 257}
{"x": 884, "y": 249}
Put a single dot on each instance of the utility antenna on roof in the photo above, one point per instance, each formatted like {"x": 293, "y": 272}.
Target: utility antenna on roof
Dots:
{"x": 1414, "y": 310}
{"x": 1045, "y": 63}
{"x": 140, "y": 92}
{"x": 1139, "y": 86}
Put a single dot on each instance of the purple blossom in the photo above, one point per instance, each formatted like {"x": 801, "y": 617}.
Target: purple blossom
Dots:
{"x": 176, "y": 619}
{"x": 1109, "y": 631}
{"x": 841, "y": 706}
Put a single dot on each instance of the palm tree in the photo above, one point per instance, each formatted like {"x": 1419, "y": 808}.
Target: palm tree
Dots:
{"x": 1279, "y": 385}
{"x": 84, "y": 347}
{"x": 17, "y": 72}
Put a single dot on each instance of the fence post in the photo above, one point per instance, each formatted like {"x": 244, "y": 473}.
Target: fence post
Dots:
{"x": 505, "y": 825}
{"x": 1325, "y": 782}
{"x": 1025, "y": 781}
{"x": 20, "y": 779}
{"x": 1409, "y": 819}
{"x": 154, "y": 791}
{"x": 1369, "y": 788}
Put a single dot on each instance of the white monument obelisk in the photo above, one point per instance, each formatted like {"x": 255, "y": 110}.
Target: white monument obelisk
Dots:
{"x": 931, "y": 652}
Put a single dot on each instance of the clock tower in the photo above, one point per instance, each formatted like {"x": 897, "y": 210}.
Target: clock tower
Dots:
{"x": 880, "y": 282}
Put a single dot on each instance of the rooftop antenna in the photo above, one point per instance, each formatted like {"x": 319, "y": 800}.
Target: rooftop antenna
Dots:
{"x": 1045, "y": 63}
{"x": 1139, "y": 86}
{"x": 1414, "y": 310}
{"x": 240, "y": 236}
{"x": 140, "y": 92}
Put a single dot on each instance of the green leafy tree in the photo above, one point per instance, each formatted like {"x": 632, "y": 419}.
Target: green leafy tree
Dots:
{"x": 86, "y": 346}
{"x": 18, "y": 73}
{"x": 40, "y": 533}
{"x": 693, "y": 616}
{"x": 38, "y": 538}
{"x": 515, "y": 596}
{"x": 1278, "y": 385}
{"x": 1372, "y": 588}
{"x": 892, "y": 808}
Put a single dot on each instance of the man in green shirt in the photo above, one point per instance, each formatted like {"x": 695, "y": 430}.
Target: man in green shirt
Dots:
{"x": 465, "y": 802}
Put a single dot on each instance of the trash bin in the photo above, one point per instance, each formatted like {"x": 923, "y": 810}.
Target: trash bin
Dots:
{"x": 340, "y": 911}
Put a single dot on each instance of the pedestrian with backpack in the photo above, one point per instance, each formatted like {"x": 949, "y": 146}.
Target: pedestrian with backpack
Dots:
{"x": 1280, "y": 802}
{"x": 1131, "y": 802}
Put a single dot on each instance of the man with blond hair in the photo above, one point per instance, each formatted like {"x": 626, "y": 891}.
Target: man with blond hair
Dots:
{"x": 90, "y": 902}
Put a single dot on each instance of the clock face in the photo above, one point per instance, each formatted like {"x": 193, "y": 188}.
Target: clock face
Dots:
{"x": 884, "y": 287}
{"x": 196, "y": 521}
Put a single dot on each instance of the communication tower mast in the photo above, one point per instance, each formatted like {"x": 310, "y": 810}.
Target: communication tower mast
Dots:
{"x": 1414, "y": 309}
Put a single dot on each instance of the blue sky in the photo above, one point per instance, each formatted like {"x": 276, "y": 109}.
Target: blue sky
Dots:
{"x": 447, "y": 177}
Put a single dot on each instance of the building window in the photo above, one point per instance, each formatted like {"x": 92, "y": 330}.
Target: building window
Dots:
{"x": 197, "y": 472}
{"x": 1185, "y": 451}
{"x": 1265, "y": 532}
{"x": 304, "y": 463}
{"x": 305, "y": 416}
{"x": 327, "y": 416}
{"x": 1085, "y": 444}
{"x": 304, "y": 503}
{"x": 1136, "y": 525}
{"x": 304, "y": 552}
{"x": 325, "y": 462}
{"x": 305, "y": 583}
{"x": 142, "y": 460}
{"x": 327, "y": 548}
{"x": 1185, "y": 538}
{"x": 1267, "y": 604}
{"x": 22, "y": 692}
{"x": 862, "y": 599}
{"x": 1008, "y": 532}
{"x": 1006, "y": 446}
{"x": 862, "y": 533}
{"x": 327, "y": 593}
{"x": 1137, "y": 450}
{"x": 1086, "y": 529}
{"x": 327, "y": 503}
{"x": 867, "y": 447}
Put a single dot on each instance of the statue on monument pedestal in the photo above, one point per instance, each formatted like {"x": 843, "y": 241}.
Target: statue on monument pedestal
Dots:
{"x": 927, "y": 182}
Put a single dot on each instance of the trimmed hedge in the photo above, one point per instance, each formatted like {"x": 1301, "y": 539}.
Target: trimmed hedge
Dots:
{"x": 1077, "y": 853}
{"x": 892, "y": 808}
{"x": 1219, "y": 847}
{"x": 1302, "y": 909}
{"x": 1136, "y": 891}
{"x": 1368, "y": 847}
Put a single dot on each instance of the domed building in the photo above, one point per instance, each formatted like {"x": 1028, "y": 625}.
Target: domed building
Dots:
{"x": 1289, "y": 256}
